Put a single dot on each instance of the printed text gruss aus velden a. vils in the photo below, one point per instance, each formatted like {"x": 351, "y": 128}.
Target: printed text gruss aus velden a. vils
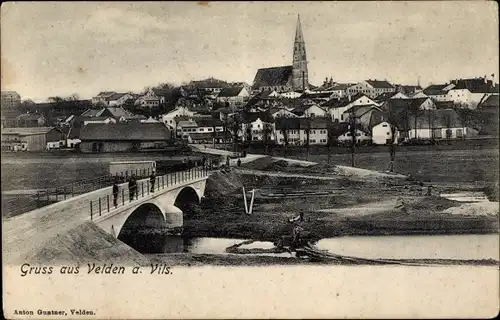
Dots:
{"x": 92, "y": 268}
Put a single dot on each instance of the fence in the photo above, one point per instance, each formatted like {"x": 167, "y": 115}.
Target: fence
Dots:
{"x": 48, "y": 196}
{"x": 144, "y": 188}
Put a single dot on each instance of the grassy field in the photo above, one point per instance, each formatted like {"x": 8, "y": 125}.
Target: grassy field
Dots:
{"x": 428, "y": 166}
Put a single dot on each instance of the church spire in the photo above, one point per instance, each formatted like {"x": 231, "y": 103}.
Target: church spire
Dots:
{"x": 298, "y": 31}
{"x": 300, "y": 77}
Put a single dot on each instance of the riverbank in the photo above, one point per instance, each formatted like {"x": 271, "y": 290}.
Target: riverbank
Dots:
{"x": 343, "y": 206}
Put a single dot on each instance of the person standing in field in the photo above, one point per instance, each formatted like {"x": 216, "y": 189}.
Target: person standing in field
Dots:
{"x": 115, "y": 193}
{"x": 152, "y": 180}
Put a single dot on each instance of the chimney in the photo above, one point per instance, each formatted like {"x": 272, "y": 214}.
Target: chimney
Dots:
{"x": 485, "y": 81}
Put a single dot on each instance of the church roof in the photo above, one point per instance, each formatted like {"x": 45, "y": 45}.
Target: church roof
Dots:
{"x": 275, "y": 76}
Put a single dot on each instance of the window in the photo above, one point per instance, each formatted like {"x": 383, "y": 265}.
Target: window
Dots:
{"x": 202, "y": 129}
{"x": 384, "y": 125}
{"x": 348, "y": 134}
{"x": 210, "y": 129}
{"x": 460, "y": 133}
{"x": 388, "y": 133}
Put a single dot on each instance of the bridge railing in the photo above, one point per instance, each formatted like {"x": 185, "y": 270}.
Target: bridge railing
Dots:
{"x": 144, "y": 188}
{"x": 15, "y": 205}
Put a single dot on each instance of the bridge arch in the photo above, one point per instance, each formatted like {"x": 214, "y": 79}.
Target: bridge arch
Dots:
{"x": 147, "y": 215}
{"x": 187, "y": 199}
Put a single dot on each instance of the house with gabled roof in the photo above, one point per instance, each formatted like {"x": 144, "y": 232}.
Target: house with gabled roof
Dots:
{"x": 233, "y": 95}
{"x": 438, "y": 92}
{"x": 469, "y": 92}
{"x": 29, "y": 120}
{"x": 118, "y": 99}
{"x": 32, "y": 139}
{"x": 296, "y": 130}
{"x": 102, "y": 97}
{"x": 371, "y": 88}
{"x": 390, "y": 95}
{"x": 338, "y": 106}
{"x": 309, "y": 111}
{"x": 123, "y": 137}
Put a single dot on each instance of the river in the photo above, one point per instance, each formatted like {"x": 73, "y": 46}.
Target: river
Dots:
{"x": 454, "y": 247}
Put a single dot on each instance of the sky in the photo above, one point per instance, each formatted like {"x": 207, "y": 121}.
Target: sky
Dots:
{"x": 61, "y": 48}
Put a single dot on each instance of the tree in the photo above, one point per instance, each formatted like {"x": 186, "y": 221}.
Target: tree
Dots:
{"x": 225, "y": 126}
{"x": 266, "y": 135}
{"x": 73, "y": 97}
{"x": 55, "y": 99}
{"x": 334, "y": 130}
{"x": 449, "y": 133}
{"x": 235, "y": 131}
{"x": 392, "y": 141}
{"x": 248, "y": 134}
{"x": 307, "y": 130}
{"x": 284, "y": 127}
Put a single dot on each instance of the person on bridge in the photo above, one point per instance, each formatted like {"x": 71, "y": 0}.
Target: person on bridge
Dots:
{"x": 239, "y": 163}
{"x": 115, "y": 193}
{"x": 152, "y": 180}
{"x": 132, "y": 187}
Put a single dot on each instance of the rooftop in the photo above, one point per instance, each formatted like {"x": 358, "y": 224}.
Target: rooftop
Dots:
{"x": 275, "y": 76}
{"x": 28, "y": 131}
{"x": 128, "y": 131}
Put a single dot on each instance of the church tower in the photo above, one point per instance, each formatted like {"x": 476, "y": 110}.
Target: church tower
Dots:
{"x": 300, "y": 78}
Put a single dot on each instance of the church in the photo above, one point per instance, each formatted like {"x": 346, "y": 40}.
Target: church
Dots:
{"x": 286, "y": 78}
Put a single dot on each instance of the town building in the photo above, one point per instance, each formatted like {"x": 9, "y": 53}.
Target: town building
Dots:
{"x": 438, "y": 92}
{"x": 382, "y": 133}
{"x": 371, "y": 88}
{"x": 296, "y": 131}
{"x": 337, "y": 107}
{"x": 149, "y": 100}
{"x": 290, "y": 95}
{"x": 287, "y": 78}
{"x": 408, "y": 90}
{"x": 118, "y": 99}
{"x": 28, "y": 120}
{"x": 32, "y": 139}
{"x": 363, "y": 136}
{"x": 124, "y": 137}
{"x": 282, "y": 113}
{"x": 170, "y": 117}
{"x": 10, "y": 99}
{"x": 437, "y": 124}
{"x": 469, "y": 92}
{"x": 235, "y": 96}
{"x": 309, "y": 111}
{"x": 102, "y": 98}
{"x": 257, "y": 126}
{"x": 390, "y": 95}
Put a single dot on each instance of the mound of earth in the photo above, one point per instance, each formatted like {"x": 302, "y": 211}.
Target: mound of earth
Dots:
{"x": 221, "y": 183}
{"x": 87, "y": 243}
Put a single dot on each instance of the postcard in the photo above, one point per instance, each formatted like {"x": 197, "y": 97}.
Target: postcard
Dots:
{"x": 206, "y": 160}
